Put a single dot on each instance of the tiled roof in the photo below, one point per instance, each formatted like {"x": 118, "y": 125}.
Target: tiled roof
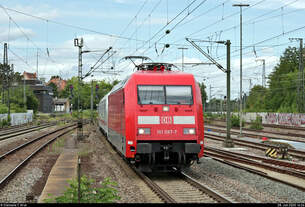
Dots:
{"x": 61, "y": 84}
{"x": 29, "y": 76}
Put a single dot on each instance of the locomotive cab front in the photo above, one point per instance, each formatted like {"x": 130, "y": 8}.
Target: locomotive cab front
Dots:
{"x": 169, "y": 121}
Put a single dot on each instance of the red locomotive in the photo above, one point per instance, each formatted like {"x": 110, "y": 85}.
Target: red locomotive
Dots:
{"x": 154, "y": 118}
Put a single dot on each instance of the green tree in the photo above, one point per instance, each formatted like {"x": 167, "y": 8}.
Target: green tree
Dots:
{"x": 54, "y": 89}
{"x": 85, "y": 92}
{"x": 281, "y": 96}
{"x": 203, "y": 93}
{"x": 256, "y": 102}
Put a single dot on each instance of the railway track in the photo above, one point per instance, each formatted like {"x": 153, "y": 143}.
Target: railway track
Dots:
{"x": 259, "y": 134}
{"x": 180, "y": 188}
{"x": 13, "y": 127}
{"x": 176, "y": 193}
{"x": 16, "y": 158}
{"x": 271, "y": 126}
{"x": 20, "y": 131}
{"x": 260, "y": 146}
{"x": 269, "y": 164}
{"x": 276, "y": 165}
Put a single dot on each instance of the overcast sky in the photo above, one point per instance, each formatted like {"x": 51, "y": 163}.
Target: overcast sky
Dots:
{"x": 138, "y": 27}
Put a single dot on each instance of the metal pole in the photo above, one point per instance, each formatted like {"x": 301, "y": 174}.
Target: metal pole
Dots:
{"x": 182, "y": 50}
{"x": 79, "y": 180}
{"x": 241, "y": 76}
{"x": 264, "y": 74}
{"x": 24, "y": 95}
{"x": 228, "y": 141}
{"x": 37, "y": 64}
{"x": 79, "y": 44}
{"x": 9, "y": 74}
{"x": 241, "y": 65}
{"x": 91, "y": 101}
{"x": 302, "y": 74}
{"x": 7, "y": 70}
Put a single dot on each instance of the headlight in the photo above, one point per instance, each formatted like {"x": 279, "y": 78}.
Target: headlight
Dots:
{"x": 144, "y": 131}
{"x": 165, "y": 108}
{"x": 188, "y": 131}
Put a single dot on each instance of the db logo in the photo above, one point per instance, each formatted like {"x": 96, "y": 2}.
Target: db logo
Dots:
{"x": 166, "y": 119}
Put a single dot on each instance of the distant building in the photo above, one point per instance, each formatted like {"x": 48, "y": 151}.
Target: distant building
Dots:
{"x": 60, "y": 83}
{"x": 61, "y": 105}
{"x": 43, "y": 93}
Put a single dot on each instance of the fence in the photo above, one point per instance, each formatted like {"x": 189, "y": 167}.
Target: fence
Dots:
{"x": 19, "y": 118}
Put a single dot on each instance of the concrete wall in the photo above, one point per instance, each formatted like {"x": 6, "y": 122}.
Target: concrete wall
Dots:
{"x": 287, "y": 119}
{"x": 19, "y": 118}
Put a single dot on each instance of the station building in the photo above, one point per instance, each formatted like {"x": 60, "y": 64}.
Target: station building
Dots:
{"x": 43, "y": 93}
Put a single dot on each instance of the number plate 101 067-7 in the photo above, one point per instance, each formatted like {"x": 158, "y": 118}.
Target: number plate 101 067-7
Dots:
{"x": 167, "y": 131}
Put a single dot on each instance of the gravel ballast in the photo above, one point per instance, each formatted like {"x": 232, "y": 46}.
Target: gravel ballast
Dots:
{"x": 243, "y": 186}
{"x": 20, "y": 186}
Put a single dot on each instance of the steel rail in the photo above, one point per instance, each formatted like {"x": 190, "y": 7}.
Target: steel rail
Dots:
{"x": 10, "y": 131}
{"x": 274, "y": 126}
{"x": 205, "y": 189}
{"x": 33, "y": 140}
{"x": 263, "y": 159}
{"x": 21, "y": 132}
{"x": 5, "y": 180}
{"x": 13, "y": 127}
{"x": 222, "y": 154}
{"x": 261, "y": 135}
{"x": 154, "y": 187}
{"x": 270, "y": 132}
{"x": 257, "y": 172}
{"x": 261, "y": 146}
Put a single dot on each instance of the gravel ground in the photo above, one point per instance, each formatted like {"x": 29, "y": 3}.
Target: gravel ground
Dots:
{"x": 17, "y": 190}
{"x": 98, "y": 163}
{"x": 247, "y": 187}
{"x": 29, "y": 182}
{"x": 243, "y": 186}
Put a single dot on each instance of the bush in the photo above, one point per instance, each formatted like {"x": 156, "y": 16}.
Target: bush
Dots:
{"x": 257, "y": 123}
{"x": 15, "y": 108}
{"x": 89, "y": 194}
{"x": 235, "y": 121}
{"x": 5, "y": 122}
{"x": 3, "y": 109}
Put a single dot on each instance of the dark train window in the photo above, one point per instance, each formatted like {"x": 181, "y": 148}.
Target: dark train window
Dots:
{"x": 148, "y": 94}
{"x": 151, "y": 95}
{"x": 179, "y": 95}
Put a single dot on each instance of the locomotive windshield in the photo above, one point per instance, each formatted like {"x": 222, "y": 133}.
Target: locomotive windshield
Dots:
{"x": 148, "y": 94}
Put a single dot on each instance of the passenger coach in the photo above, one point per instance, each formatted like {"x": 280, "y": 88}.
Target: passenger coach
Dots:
{"x": 154, "y": 118}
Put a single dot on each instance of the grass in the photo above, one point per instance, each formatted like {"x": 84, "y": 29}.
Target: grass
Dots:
{"x": 85, "y": 150}
{"x": 57, "y": 146}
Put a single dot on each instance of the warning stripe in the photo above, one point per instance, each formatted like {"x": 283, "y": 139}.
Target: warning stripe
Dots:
{"x": 271, "y": 152}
